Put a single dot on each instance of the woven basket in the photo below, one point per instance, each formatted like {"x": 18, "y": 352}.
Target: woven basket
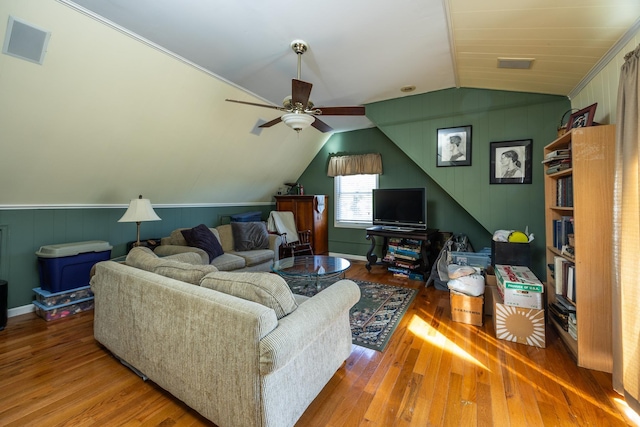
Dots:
{"x": 562, "y": 126}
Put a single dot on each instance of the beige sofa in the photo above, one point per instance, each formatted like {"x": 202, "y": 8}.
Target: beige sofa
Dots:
{"x": 240, "y": 349}
{"x": 231, "y": 260}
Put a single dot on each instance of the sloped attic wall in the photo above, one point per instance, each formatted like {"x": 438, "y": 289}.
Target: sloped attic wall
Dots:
{"x": 107, "y": 117}
{"x": 412, "y": 123}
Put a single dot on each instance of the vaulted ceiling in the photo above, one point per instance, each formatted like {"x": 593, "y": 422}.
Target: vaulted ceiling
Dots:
{"x": 363, "y": 51}
{"x": 109, "y": 115}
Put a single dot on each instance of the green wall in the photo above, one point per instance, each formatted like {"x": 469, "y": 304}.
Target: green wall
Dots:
{"x": 461, "y": 199}
{"x": 24, "y": 231}
{"x": 399, "y": 170}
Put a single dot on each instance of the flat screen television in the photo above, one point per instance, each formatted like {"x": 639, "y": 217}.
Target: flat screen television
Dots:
{"x": 400, "y": 208}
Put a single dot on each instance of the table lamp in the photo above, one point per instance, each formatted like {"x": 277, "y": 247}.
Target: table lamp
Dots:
{"x": 139, "y": 210}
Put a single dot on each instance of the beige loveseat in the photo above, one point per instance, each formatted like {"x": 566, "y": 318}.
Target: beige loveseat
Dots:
{"x": 237, "y": 361}
{"x": 231, "y": 260}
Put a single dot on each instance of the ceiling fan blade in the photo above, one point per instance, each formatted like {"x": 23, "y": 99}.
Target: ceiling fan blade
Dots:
{"x": 271, "y": 123}
{"x": 300, "y": 92}
{"x": 342, "y": 111}
{"x": 321, "y": 126}
{"x": 256, "y": 105}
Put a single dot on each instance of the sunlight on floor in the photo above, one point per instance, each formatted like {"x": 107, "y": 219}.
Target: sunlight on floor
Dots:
{"x": 630, "y": 413}
{"x": 425, "y": 331}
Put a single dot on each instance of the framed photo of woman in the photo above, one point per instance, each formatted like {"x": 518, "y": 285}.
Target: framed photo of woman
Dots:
{"x": 511, "y": 162}
{"x": 454, "y": 146}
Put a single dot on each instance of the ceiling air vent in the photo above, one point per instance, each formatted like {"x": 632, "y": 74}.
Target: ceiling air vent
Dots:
{"x": 515, "y": 63}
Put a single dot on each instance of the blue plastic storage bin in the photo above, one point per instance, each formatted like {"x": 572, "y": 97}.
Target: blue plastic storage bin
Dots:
{"x": 255, "y": 216}
{"x": 68, "y": 266}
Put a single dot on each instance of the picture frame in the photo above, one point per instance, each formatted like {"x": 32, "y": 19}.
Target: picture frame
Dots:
{"x": 582, "y": 118}
{"x": 454, "y": 146}
{"x": 511, "y": 162}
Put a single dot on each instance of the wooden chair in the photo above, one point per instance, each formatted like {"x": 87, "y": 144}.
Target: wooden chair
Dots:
{"x": 298, "y": 242}
{"x": 301, "y": 247}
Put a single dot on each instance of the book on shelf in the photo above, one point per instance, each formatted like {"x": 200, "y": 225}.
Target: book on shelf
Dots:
{"x": 555, "y": 153}
{"x": 564, "y": 302}
{"x": 558, "y": 168}
{"x": 559, "y": 315}
{"x": 561, "y": 229}
{"x": 559, "y": 263}
{"x": 571, "y": 283}
{"x": 558, "y": 159}
{"x": 564, "y": 191}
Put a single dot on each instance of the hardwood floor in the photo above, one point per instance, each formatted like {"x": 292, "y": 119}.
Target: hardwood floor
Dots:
{"x": 434, "y": 372}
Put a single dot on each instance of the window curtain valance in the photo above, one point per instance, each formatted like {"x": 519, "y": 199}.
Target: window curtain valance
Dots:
{"x": 355, "y": 165}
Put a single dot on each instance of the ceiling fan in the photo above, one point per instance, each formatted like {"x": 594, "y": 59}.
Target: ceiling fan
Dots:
{"x": 300, "y": 111}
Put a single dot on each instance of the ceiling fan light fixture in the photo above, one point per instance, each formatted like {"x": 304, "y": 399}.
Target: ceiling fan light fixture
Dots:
{"x": 298, "y": 121}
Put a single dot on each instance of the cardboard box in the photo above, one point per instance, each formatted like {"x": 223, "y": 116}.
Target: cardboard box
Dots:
{"x": 519, "y": 287}
{"x": 467, "y": 309}
{"x": 488, "y": 298}
{"x": 518, "y": 324}
{"x": 490, "y": 277}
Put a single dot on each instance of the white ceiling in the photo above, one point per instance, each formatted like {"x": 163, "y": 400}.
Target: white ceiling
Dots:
{"x": 363, "y": 51}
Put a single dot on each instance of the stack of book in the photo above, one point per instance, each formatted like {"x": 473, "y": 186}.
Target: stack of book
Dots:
{"x": 562, "y": 311}
{"x": 557, "y": 160}
{"x": 405, "y": 257}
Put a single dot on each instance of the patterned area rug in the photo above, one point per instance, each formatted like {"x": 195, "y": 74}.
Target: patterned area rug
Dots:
{"x": 376, "y": 315}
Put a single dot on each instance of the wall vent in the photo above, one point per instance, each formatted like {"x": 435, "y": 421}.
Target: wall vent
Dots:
{"x": 25, "y": 41}
{"x": 515, "y": 63}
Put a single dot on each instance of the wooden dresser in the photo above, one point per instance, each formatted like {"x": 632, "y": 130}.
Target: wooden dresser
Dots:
{"x": 310, "y": 213}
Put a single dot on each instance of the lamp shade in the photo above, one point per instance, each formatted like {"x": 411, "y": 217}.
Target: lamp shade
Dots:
{"x": 139, "y": 210}
{"x": 298, "y": 121}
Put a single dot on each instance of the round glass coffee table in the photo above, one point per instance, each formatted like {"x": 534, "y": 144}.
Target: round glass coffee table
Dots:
{"x": 313, "y": 269}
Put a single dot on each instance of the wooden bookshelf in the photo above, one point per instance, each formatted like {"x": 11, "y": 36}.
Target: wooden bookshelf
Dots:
{"x": 592, "y": 176}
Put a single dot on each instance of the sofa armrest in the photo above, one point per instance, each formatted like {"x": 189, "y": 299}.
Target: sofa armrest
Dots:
{"x": 292, "y": 334}
{"x": 166, "y": 250}
{"x": 275, "y": 241}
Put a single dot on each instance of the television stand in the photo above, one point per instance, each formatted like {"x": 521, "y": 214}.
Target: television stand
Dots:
{"x": 424, "y": 237}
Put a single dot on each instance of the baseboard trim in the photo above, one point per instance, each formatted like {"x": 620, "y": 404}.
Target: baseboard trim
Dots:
{"x": 349, "y": 256}
{"x": 17, "y": 311}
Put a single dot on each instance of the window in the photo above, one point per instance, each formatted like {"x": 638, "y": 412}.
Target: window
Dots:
{"x": 354, "y": 200}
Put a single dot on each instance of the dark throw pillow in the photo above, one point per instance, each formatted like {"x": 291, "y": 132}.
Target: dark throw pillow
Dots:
{"x": 250, "y": 235}
{"x": 201, "y": 237}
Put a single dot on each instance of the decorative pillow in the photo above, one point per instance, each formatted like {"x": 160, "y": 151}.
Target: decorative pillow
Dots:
{"x": 201, "y": 237}
{"x": 267, "y": 289}
{"x": 250, "y": 235}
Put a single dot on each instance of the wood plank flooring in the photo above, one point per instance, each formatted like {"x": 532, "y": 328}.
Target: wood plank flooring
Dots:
{"x": 434, "y": 372}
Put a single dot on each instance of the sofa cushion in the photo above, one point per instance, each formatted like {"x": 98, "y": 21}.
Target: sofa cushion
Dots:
{"x": 144, "y": 259}
{"x": 267, "y": 289}
{"x": 250, "y": 235}
{"x": 202, "y": 237}
{"x": 226, "y": 237}
{"x": 256, "y": 257}
{"x": 229, "y": 262}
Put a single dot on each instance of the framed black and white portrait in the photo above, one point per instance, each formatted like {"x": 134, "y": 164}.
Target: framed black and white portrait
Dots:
{"x": 454, "y": 146}
{"x": 511, "y": 162}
